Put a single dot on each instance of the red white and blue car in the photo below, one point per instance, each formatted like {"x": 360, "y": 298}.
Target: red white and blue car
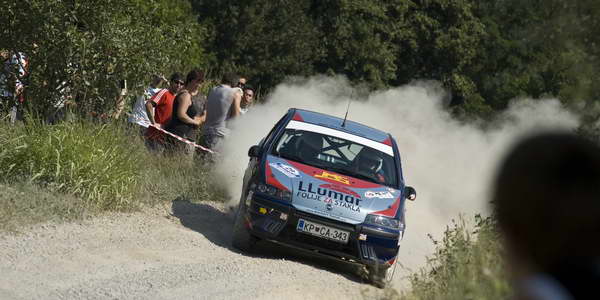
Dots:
{"x": 327, "y": 185}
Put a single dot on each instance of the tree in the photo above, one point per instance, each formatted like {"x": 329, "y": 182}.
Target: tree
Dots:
{"x": 357, "y": 38}
{"x": 440, "y": 41}
{"x": 535, "y": 48}
{"x": 263, "y": 40}
{"x": 81, "y": 49}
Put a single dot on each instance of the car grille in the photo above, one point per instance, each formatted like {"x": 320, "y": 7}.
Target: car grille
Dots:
{"x": 368, "y": 251}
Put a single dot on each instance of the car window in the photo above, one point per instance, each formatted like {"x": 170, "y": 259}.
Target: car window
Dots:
{"x": 338, "y": 155}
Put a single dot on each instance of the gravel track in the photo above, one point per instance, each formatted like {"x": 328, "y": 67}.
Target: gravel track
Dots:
{"x": 181, "y": 251}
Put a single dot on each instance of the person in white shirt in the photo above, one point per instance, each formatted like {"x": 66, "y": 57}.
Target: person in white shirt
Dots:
{"x": 138, "y": 114}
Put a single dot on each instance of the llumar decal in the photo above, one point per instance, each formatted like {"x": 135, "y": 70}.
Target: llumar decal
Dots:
{"x": 339, "y": 188}
{"x": 334, "y": 177}
{"x": 328, "y": 196}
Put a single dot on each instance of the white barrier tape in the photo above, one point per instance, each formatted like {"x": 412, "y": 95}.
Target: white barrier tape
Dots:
{"x": 182, "y": 139}
{"x": 173, "y": 135}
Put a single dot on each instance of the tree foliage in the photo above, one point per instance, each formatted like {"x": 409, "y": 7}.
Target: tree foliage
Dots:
{"x": 485, "y": 52}
{"x": 80, "y": 50}
{"x": 264, "y": 40}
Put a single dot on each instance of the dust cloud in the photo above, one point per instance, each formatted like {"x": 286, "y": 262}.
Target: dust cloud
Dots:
{"x": 450, "y": 163}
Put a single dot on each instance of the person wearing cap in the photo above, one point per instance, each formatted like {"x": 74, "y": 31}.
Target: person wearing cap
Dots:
{"x": 160, "y": 109}
{"x": 186, "y": 117}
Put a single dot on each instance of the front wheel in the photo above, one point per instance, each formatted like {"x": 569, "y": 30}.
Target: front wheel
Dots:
{"x": 242, "y": 239}
{"x": 380, "y": 275}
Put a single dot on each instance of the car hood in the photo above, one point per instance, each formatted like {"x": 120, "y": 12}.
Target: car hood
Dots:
{"x": 329, "y": 194}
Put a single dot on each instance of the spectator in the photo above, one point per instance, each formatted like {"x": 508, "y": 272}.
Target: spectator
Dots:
{"x": 547, "y": 202}
{"x": 62, "y": 105}
{"x": 159, "y": 109}
{"x": 199, "y": 102}
{"x": 186, "y": 116}
{"x": 12, "y": 80}
{"x": 241, "y": 83}
{"x": 4, "y": 89}
{"x": 223, "y": 102}
{"x": 139, "y": 115}
{"x": 120, "y": 100}
{"x": 247, "y": 99}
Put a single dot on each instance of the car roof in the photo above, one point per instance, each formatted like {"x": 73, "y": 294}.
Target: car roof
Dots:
{"x": 336, "y": 123}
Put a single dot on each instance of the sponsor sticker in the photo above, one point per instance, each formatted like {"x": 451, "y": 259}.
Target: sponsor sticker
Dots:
{"x": 287, "y": 170}
{"x": 339, "y": 188}
{"x": 379, "y": 194}
{"x": 328, "y": 196}
{"x": 335, "y": 177}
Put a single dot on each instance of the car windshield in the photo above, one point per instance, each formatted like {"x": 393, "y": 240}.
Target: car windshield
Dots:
{"x": 337, "y": 155}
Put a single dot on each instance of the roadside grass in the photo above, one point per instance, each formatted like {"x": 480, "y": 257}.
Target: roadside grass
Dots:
{"x": 23, "y": 203}
{"x": 92, "y": 161}
{"x": 467, "y": 264}
{"x": 83, "y": 168}
{"x": 179, "y": 178}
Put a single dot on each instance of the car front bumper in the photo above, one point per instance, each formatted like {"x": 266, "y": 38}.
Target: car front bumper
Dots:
{"x": 274, "y": 220}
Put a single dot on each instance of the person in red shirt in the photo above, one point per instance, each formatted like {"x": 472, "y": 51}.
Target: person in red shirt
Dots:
{"x": 160, "y": 109}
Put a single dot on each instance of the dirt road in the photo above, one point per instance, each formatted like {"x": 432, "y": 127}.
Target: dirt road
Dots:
{"x": 181, "y": 251}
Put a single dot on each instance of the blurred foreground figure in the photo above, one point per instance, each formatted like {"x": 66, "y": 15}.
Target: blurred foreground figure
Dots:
{"x": 547, "y": 201}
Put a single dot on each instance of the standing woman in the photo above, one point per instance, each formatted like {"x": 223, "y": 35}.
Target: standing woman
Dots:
{"x": 185, "y": 115}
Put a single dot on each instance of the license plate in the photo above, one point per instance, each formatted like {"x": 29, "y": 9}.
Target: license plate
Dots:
{"x": 323, "y": 231}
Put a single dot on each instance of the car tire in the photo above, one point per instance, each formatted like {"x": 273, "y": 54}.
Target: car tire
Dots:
{"x": 241, "y": 238}
{"x": 378, "y": 275}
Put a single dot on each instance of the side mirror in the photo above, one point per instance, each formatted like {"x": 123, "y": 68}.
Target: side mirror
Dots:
{"x": 254, "y": 151}
{"x": 410, "y": 193}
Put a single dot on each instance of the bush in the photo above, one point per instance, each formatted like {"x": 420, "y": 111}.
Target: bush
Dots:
{"x": 95, "y": 162}
{"x": 465, "y": 265}
{"x": 78, "y": 51}
{"x": 82, "y": 168}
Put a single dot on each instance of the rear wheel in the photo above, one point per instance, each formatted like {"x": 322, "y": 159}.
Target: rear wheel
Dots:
{"x": 242, "y": 239}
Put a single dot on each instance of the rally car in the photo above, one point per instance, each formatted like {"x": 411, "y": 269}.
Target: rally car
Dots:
{"x": 328, "y": 185}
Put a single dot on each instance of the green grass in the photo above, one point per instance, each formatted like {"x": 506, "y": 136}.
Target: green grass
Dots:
{"x": 467, "y": 264}
{"x": 170, "y": 178}
{"x": 91, "y": 161}
{"x": 23, "y": 203}
{"x": 82, "y": 168}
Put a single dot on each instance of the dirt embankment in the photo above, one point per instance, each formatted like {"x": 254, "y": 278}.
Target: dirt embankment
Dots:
{"x": 177, "y": 252}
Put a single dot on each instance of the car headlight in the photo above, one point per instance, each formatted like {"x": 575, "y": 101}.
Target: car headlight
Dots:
{"x": 384, "y": 221}
{"x": 273, "y": 191}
